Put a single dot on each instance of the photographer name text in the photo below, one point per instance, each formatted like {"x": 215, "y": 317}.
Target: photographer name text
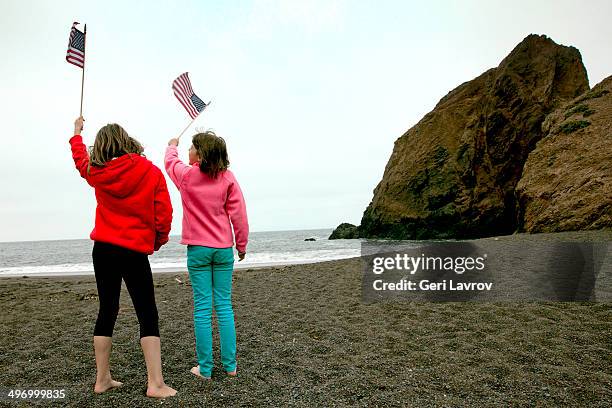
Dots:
{"x": 426, "y": 285}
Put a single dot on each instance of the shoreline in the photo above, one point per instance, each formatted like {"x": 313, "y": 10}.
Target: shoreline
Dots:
{"x": 157, "y": 271}
{"x": 566, "y": 236}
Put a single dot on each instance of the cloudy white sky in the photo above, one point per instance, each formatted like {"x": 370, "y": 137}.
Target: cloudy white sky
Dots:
{"x": 310, "y": 95}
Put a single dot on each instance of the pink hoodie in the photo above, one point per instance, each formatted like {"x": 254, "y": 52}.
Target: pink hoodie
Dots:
{"x": 209, "y": 205}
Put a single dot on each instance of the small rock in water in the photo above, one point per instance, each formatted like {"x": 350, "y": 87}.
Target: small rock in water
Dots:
{"x": 310, "y": 239}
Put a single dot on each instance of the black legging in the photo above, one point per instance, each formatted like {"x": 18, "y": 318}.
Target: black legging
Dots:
{"x": 111, "y": 263}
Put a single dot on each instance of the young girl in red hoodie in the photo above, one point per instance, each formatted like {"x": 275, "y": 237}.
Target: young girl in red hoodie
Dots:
{"x": 133, "y": 219}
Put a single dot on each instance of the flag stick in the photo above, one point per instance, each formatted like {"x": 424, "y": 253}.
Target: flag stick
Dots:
{"x": 83, "y": 73}
{"x": 193, "y": 120}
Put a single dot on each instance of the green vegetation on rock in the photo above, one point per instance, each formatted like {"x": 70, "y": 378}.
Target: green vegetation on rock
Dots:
{"x": 582, "y": 108}
{"x": 591, "y": 95}
{"x": 574, "y": 125}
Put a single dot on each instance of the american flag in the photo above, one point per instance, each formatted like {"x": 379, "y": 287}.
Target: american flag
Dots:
{"x": 184, "y": 93}
{"x": 76, "y": 47}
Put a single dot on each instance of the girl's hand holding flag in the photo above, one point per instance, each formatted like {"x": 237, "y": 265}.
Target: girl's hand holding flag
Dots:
{"x": 78, "y": 125}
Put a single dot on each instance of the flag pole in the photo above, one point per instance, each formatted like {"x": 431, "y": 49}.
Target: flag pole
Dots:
{"x": 83, "y": 72}
{"x": 193, "y": 120}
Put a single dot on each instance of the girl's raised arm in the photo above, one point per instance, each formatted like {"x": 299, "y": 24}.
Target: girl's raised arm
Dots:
{"x": 175, "y": 168}
{"x": 79, "y": 150}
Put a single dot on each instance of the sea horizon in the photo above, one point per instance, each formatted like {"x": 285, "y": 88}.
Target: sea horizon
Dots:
{"x": 171, "y": 235}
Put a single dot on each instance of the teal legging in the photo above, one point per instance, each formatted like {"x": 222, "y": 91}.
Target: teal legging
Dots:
{"x": 210, "y": 271}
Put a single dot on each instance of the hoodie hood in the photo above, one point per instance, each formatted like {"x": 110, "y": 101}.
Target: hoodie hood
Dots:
{"x": 121, "y": 176}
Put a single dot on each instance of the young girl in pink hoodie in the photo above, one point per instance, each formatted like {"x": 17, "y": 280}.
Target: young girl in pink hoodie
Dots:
{"x": 213, "y": 205}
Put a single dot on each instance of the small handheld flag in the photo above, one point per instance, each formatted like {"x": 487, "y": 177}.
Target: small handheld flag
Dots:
{"x": 76, "y": 47}
{"x": 185, "y": 95}
{"x": 76, "y": 53}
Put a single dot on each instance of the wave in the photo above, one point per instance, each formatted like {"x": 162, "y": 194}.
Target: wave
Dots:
{"x": 166, "y": 264}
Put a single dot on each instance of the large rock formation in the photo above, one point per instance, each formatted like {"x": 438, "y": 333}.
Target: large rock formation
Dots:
{"x": 567, "y": 179}
{"x": 454, "y": 173}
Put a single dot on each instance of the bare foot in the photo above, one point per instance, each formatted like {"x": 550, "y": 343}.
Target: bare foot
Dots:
{"x": 231, "y": 373}
{"x": 160, "y": 392}
{"x": 196, "y": 371}
{"x": 101, "y": 387}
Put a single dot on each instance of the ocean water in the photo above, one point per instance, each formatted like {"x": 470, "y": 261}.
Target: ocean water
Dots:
{"x": 72, "y": 257}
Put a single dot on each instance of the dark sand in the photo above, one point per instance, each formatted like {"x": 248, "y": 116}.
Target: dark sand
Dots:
{"x": 306, "y": 339}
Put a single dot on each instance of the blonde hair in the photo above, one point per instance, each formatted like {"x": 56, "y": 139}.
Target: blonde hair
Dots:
{"x": 112, "y": 141}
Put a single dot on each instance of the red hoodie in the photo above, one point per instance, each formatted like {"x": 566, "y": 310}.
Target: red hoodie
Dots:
{"x": 134, "y": 209}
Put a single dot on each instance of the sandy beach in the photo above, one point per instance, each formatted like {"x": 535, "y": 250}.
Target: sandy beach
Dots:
{"x": 305, "y": 338}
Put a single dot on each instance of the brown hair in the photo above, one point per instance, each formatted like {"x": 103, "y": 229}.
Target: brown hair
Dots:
{"x": 212, "y": 151}
{"x": 112, "y": 141}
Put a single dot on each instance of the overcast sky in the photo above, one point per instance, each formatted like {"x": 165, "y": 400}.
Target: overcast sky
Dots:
{"x": 309, "y": 95}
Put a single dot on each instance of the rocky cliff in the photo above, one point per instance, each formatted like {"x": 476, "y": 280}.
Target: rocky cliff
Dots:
{"x": 454, "y": 174}
{"x": 567, "y": 179}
